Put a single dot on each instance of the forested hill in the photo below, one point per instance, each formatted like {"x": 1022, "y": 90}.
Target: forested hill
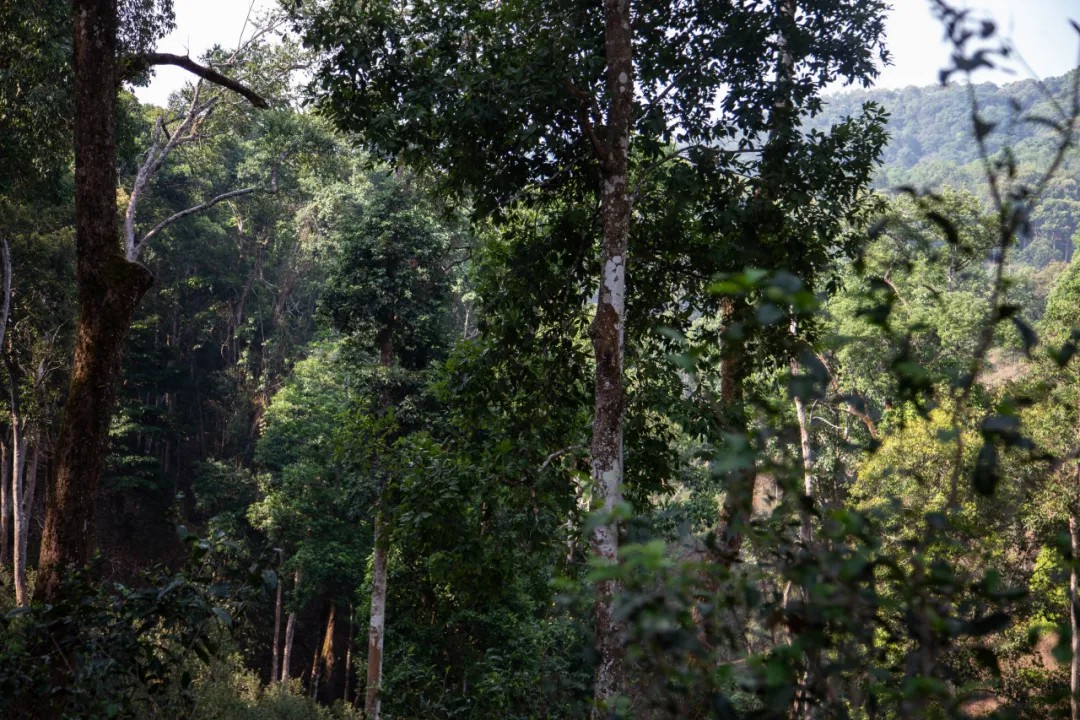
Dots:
{"x": 931, "y": 144}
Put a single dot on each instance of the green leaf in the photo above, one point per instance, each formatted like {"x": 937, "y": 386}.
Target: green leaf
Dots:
{"x": 223, "y": 616}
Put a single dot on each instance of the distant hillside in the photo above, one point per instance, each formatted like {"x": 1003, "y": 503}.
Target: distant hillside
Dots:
{"x": 931, "y": 145}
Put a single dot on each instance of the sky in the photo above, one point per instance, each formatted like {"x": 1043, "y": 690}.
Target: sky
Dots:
{"x": 1038, "y": 28}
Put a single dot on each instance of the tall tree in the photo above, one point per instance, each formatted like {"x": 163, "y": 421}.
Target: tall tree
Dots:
{"x": 1055, "y": 424}
{"x": 390, "y": 293}
{"x": 109, "y": 285}
{"x": 506, "y": 96}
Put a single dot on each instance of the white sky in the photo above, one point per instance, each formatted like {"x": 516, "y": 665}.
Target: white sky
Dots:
{"x": 1038, "y": 28}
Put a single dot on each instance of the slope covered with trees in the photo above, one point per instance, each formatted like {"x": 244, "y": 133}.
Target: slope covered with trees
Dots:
{"x": 930, "y": 146}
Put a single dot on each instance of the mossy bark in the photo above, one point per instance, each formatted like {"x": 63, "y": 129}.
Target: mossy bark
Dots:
{"x": 110, "y": 288}
{"x": 740, "y": 483}
{"x": 608, "y": 338}
{"x": 377, "y": 623}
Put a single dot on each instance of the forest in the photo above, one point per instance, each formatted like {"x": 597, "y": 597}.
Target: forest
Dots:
{"x": 524, "y": 359}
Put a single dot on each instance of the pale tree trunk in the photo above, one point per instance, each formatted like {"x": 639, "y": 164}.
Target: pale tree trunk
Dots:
{"x": 6, "y": 508}
{"x": 1074, "y": 611}
{"x": 803, "y": 701}
{"x": 326, "y": 659}
{"x": 18, "y": 481}
{"x": 286, "y": 652}
{"x": 6, "y": 511}
{"x": 23, "y": 480}
{"x": 290, "y": 633}
{"x": 348, "y": 654}
{"x": 377, "y": 624}
{"x": 373, "y": 696}
{"x": 275, "y": 671}
{"x": 608, "y": 335}
{"x": 806, "y": 452}
{"x": 29, "y": 495}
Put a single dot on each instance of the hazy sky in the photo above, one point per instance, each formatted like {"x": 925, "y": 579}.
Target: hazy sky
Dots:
{"x": 1038, "y": 28}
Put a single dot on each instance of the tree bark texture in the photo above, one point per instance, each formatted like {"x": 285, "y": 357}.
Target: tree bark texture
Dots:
{"x": 6, "y": 510}
{"x": 608, "y": 335}
{"x": 377, "y": 623}
{"x": 18, "y": 480}
{"x": 7, "y": 538}
{"x": 23, "y": 537}
{"x": 738, "y": 507}
{"x": 806, "y": 451}
{"x": 329, "y": 668}
{"x": 25, "y": 453}
{"x": 275, "y": 662}
{"x": 290, "y": 634}
{"x": 1074, "y": 614}
{"x": 109, "y": 288}
{"x": 373, "y": 696}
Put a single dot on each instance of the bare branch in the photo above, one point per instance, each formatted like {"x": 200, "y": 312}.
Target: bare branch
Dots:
{"x": 892, "y": 286}
{"x": 556, "y": 454}
{"x": 585, "y": 103}
{"x": 155, "y": 156}
{"x": 865, "y": 417}
{"x": 192, "y": 210}
{"x": 846, "y": 405}
{"x": 147, "y": 60}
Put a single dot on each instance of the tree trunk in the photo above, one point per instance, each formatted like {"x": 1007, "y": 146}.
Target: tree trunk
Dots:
{"x": 348, "y": 656}
{"x": 109, "y": 288}
{"x": 804, "y": 701}
{"x": 608, "y": 335}
{"x": 373, "y": 696}
{"x": 741, "y": 482}
{"x": 1074, "y": 613}
{"x": 275, "y": 672}
{"x": 6, "y": 510}
{"x": 314, "y": 685}
{"x": 290, "y": 633}
{"x": 377, "y": 625}
{"x": 286, "y": 651}
{"x": 18, "y": 478}
{"x": 807, "y": 462}
{"x": 327, "y": 659}
{"x": 29, "y": 495}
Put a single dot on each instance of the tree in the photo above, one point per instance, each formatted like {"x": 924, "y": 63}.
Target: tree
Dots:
{"x": 1054, "y": 423}
{"x": 35, "y": 97}
{"x": 311, "y": 504}
{"x": 530, "y": 105}
{"x": 389, "y": 292}
{"x": 110, "y": 287}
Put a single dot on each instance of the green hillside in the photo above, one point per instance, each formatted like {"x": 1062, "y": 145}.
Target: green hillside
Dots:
{"x": 931, "y": 146}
